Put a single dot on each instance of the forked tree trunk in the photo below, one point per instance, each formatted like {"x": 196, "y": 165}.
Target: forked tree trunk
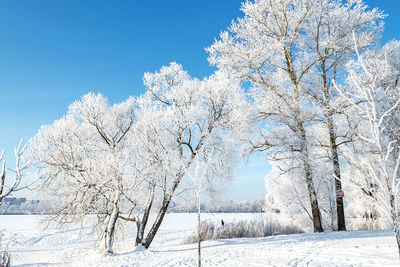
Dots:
{"x": 160, "y": 216}
{"x": 162, "y": 211}
{"x": 141, "y": 225}
{"x": 168, "y": 196}
{"x": 167, "y": 199}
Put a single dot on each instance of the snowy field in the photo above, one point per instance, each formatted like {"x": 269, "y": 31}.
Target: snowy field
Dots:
{"x": 31, "y": 245}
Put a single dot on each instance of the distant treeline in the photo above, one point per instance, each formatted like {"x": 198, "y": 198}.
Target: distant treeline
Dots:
{"x": 245, "y": 206}
{"x": 15, "y": 206}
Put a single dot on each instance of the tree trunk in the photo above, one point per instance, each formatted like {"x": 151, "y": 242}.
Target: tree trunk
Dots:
{"x": 316, "y": 215}
{"x": 341, "y": 224}
{"x": 313, "y": 200}
{"x": 111, "y": 227}
{"x": 336, "y": 171}
{"x": 139, "y": 232}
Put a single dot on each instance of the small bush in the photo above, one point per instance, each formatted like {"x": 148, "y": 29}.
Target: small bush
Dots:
{"x": 254, "y": 228}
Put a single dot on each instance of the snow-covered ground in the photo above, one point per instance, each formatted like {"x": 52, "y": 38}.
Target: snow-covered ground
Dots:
{"x": 31, "y": 245}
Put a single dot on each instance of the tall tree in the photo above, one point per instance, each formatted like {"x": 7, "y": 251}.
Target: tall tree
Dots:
{"x": 291, "y": 50}
{"x": 331, "y": 33}
{"x": 266, "y": 47}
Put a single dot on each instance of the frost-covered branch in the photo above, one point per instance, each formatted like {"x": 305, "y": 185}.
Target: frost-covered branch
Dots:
{"x": 372, "y": 80}
{"x": 8, "y": 186}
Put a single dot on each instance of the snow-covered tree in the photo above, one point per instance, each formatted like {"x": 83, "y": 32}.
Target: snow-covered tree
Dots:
{"x": 290, "y": 50}
{"x": 128, "y": 160}
{"x": 86, "y": 161}
{"x": 8, "y": 185}
{"x": 182, "y": 117}
{"x": 374, "y": 93}
{"x": 330, "y": 40}
{"x": 266, "y": 47}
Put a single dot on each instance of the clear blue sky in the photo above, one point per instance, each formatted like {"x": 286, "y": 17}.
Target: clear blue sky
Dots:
{"x": 52, "y": 52}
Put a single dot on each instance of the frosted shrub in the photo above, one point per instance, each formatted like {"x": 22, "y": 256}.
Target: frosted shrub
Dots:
{"x": 359, "y": 224}
{"x": 364, "y": 225}
{"x": 254, "y": 228}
